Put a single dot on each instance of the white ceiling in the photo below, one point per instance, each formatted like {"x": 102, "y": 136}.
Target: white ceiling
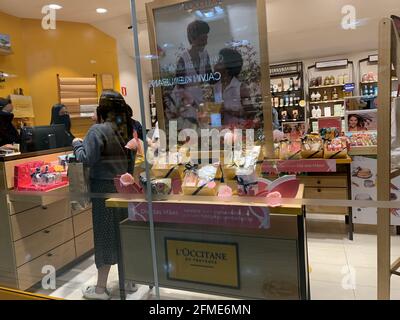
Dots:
{"x": 297, "y": 29}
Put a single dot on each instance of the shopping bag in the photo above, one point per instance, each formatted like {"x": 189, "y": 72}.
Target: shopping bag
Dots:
{"x": 79, "y": 185}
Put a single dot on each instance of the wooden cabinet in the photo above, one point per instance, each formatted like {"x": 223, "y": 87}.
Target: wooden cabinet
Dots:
{"x": 325, "y": 181}
{"x": 82, "y": 222}
{"x": 31, "y": 273}
{"x": 43, "y": 241}
{"x": 37, "y": 230}
{"x": 328, "y": 187}
{"x": 28, "y": 222}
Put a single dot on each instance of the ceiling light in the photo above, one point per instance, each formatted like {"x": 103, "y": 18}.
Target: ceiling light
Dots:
{"x": 55, "y": 6}
{"x": 101, "y": 10}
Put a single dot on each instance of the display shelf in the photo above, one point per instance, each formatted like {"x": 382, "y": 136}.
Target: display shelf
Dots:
{"x": 292, "y": 121}
{"x": 286, "y": 71}
{"x": 363, "y": 151}
{"x": 326, "y": 117}
{"x": 5, "y": 52}
{"x": 286, "y": 92}
{"x": 327, "y": 86}
{"x": 289, "y": 208}
{"x": 368, "y": 82}
{"x": 326, "y": 102}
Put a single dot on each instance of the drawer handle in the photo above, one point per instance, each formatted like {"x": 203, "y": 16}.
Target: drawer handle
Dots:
{"x": 318, "y": 182}
{"x": 44, "y": 207}
{"x": 49, "y": 255}
{"x": 46, "y": 231}
{"x": 319, "y": 190}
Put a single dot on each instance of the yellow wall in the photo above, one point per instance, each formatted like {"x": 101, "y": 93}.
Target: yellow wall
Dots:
{"x": 15, "y": 63}
{"x": 72, "y": 50}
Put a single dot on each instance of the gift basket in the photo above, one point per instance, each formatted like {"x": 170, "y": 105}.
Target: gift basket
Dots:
{"x": 201, "y": 180}
{"x": 290, "y": 150}
{"x": 168, "y": 165}
{"x": 312, "y": 147}
{"x": 336, "y": 148}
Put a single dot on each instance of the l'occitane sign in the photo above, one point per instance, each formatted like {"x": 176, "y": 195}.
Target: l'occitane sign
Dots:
{"x": 203, "y": 262}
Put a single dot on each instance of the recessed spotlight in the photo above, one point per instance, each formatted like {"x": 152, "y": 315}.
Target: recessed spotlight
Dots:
{"x": 101, "y": 10}
{"x": 55, "y": 6}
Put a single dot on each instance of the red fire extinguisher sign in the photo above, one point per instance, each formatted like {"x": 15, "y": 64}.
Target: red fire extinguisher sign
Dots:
{"x": 123, "y": 91}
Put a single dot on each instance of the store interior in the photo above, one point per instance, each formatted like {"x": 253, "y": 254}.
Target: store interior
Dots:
{"x": 323, "y": 75}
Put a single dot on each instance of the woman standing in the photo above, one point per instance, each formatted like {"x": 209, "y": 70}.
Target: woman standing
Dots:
{"x": 104, "y": 152}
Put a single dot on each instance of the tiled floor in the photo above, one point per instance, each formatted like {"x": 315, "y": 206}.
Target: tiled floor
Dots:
{"x": 339, "y": 270}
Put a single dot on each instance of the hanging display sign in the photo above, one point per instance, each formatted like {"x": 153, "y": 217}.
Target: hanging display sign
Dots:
{"x": 332, "y": 64}
{"x": 285, "y": 69}
{"x": 203, "y": 262}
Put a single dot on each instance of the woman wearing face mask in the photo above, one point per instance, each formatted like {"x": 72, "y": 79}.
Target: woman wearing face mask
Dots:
{"x": 104, "y": 152}
{"x": 59, "y": 115}
{"x": 8, "y": 133}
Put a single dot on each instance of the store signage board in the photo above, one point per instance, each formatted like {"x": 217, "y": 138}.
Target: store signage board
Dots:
{"x": 229, "y": 216}
{"x": 285, "y": 69}
{"x": 23, "y": 106}
{"x": 373, "y": 58}
{"x": 349, "y": 87}
{"x": 332, "y": 64}
{"x": 203, "y": 262}
{"x": 299, "y": 166}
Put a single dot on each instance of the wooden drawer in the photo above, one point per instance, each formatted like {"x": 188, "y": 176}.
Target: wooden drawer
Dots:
{"x": 76, "y": 212}
{"x": 37, "y": 244}
{"x": 324, "y": 181}
{"x": 18, "y": 207}
{"x": 31, "y": 273}
{"x": 84, "y": 243}
{"x": 27, "y": 223}
{"x": 326, "y": 193}
{"x": 82, "y": 222}
{"x": 42, "y": 199}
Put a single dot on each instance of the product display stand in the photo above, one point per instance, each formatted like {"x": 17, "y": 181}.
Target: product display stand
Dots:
{"x": 284, "y": 252}
{"x": 287, "y": 88}
{"x": 320, "y": 183}
{"x": 389, "y": 55}
{"x": 327, "y": 90}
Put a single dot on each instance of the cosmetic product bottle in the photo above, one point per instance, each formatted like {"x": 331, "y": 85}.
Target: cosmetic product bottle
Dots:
{"x": 319, "y": 112}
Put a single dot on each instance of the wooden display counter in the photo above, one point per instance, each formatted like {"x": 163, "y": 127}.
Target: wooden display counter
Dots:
{"x": 330, "y": 185}
{"x": 270, "y": 263}
{"x": 38, "y": 229}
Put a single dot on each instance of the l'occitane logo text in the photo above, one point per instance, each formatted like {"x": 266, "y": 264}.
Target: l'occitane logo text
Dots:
{"x": 200, "y": 254}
